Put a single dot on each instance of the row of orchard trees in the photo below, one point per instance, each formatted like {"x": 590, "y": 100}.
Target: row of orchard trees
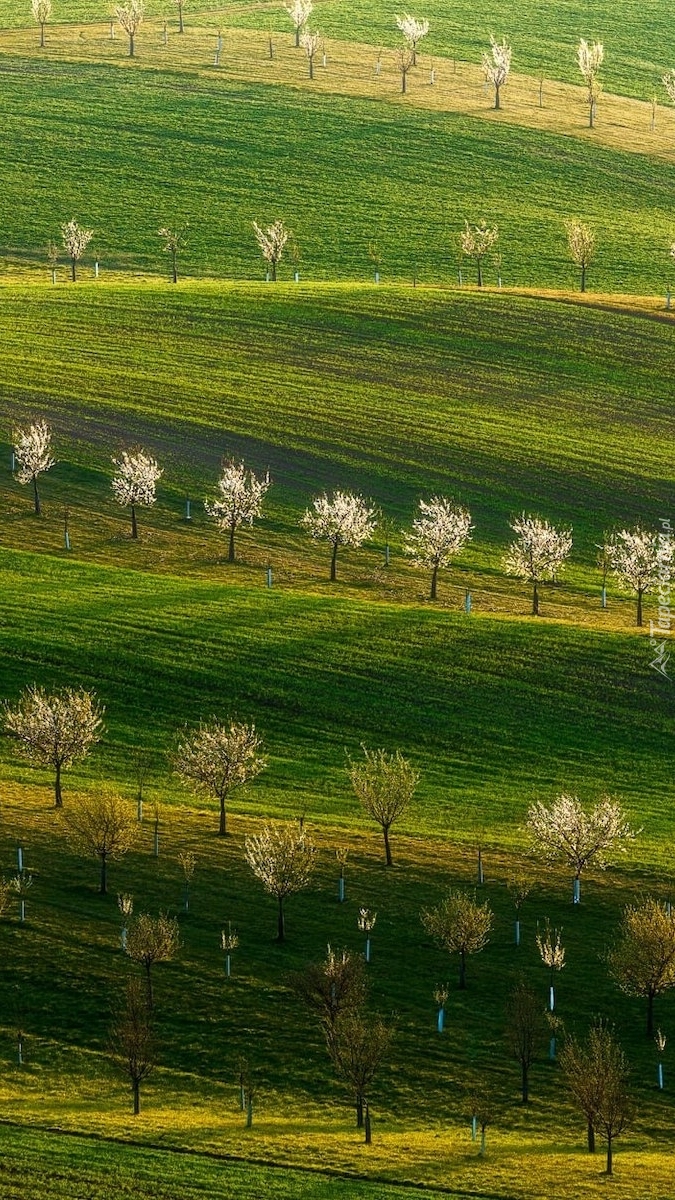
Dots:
{"x": 216, "y": 759}
{"x": 640, "y": 558}
{"x": 495, "y": 62}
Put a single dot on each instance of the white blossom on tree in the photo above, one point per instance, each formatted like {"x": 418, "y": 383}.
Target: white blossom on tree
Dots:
{"x": 75, "y": 242}
{"x": 413, "y": 31}
{"x": 590, "y": 58}
{"x": 310, "y": 43}
{"x": 283, "y": 858}
{"x": 496, "y": 65}
{"x": 135, "y": 482}
{"x": 640, "y": 559}
{"x": 343, "y": 519}
{"x": 33, "y": 455}
{"x": 55, "y": 730}
{"x": 130, "y": 17}
{"x": 299, "y": 11}
{"x": 477, "y": 241}
{"x": 538, "y": 553}
{"x": 272, "y": 241}
{"x": 240, "y": 500}
{"x": 566, "y": 832}
{"x": 42, "y": 11}
{"x": 216, "y": 758}
{"x": 581, "y": 243}
{"x": 438, "y": 534}
{"x": 174, "y": 242}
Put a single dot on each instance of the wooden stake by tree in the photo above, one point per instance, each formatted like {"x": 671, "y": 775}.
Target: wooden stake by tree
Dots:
{"x": 642, "y": 959}
{"x": 283, "y": 859}
{"x": 385, "y": 784}
{"x": 132, "y": 1042}
{"x": 152, "y": 940}
{"x": 360, "y": 1045}
{"x": 461, "y": 926}
{"x": 524, "y": 1031}
{"x": 102, "y": 825}
{"x": 55, "y": 730}
{"x": 217, "y": 758}
{"x": 33, "y": 456}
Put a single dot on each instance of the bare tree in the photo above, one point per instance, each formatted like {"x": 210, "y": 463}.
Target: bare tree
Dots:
{"x": 642, "y": 960}
{"x": 132, "y": 1042}
{"x": 413, "y": 31}
{"x": 406, "y": 60}
{"x": 385, "y": 784}
{"x": 524, "y": 1031}
{"x": 240, "y": 501}
{"x": 581, "y": 243}
{"x": 33, "y": 455}
{"x": 566, "y": 832}
{"x": 590, "y": 58}
{"x": 461, "y": 925}
{"x": 299, "y": 11}
{"x": 641, "y": 559}
{"x": 310, "y": 43}
{"x": 135, "y": 482}
{"x": 55, "y": 730}
{"x": 217, "y": 758}
{"x": 181, "y": 29}
{"x": 75, "y": 242}
{"x": 152, "y": 940}
{"x": 538, "y": 553}
{"x": 438, "y": 534}
{"x": 282, "y": 857}
{"x": 42, "y": 11}
{"x": 360, "y": 1045}
{"x": 476, "y": 242}
{"x": 272, "y": 242}
{"x": 102, "y": 825}
{"x": 482, "y": 1108}
{"x": 343, "y": 519}
{"x": 497, "y": 64}
{"x": 130, "y": 17}
{"x": 331, "y": 989}
{"x": 174, "y": 239}
{"x": 597, "y": 1075}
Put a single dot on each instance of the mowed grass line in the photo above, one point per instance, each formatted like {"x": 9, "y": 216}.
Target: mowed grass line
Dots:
{"x": 128, "y": 151}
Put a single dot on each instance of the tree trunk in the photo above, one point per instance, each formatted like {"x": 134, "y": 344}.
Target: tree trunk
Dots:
{"x": 387, "y": 847}
{"x": 173, "y": 258}
{"x": 480, "y": 272}
{"x": 136, "y": 1088}
{"x": 73, "y": 269}
{"x": 274, "y": 271}
{"x": 222, "y": 828}
{"x": 403, "y": 75}
{"x": 131, "y": 45}
{"x": 104, "y": 874}
{"x": 609, "y": 1154}
{"x": 230, "y": 549}
{"x": 535, "y": 602}
{"x": 134, "y": 525}
{"x": 42, "y": 35}
{"x": 650, "y": 1014}
{"x": 583, "y": 277}
{"x": 297, "y": 37}
{"x": 36, "y": 496}
{"x": 497, "y": 104}
{"x": 462, "y": 968}
{"x": 311, "y": 68}
{"x": 434, "y": 580}
{"x": 525, "y": 1083}
{"x": 639, "y": 606}
{"x": 180, "y": 18}
{"x": 369, "y": 1134}
{"x": 148, "y": 986}
{"x": 591, "y": 1138}
{"x": 590, "y": 125}
{"x": 333, "y": 563}
{"x": 281, "y": 927}
{"x": 57, "y": 787}
{"x": 359, "y": 1111}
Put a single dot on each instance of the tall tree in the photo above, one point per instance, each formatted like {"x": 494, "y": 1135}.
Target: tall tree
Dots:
{"x": 33, "y": 455}
{"x": 597, "y": 1075}
{"x": 581, "y": 243}
{"x": 590, "y": 57}
{"x": 497, "y": 64}
{"x": 461, "y": 925}
{"x": 566, "y": 832}
{"x": 476, "y": 242}
{"x": 272, "y": 242}
{"x": 640, "y": 559}
{"x": 135, "y": 482}
{"x": 42, "y": 11}
{"x": 440, "y": 531}
{"x": 152, "y": 940}
{"x": 343, "y": 519}
{"x": 283, "y": 858}
{"x": 132, "y": 1041}
{"x": 642, "y": 959}
{"x": 102, "y": 825}
{"x": 385, "y": 784}
{"x": 240, "y": 501}
{"x": 524, "y": 1031}
{"x": 75, "y": 242}
{"x": 360, "y": 1045}
{"x": 216, "y": 758}
{"x": 130, "y": 17}
{"x": 537, "y": 554}
{"x": 55, "y": 730}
